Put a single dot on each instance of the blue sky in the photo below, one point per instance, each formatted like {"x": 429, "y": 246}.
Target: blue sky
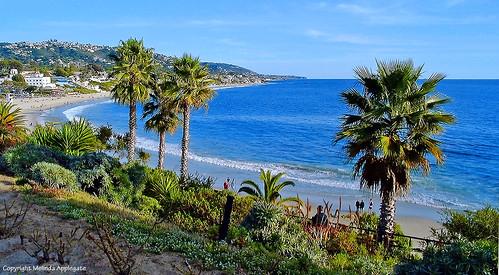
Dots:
{"x": 317, "y": 39}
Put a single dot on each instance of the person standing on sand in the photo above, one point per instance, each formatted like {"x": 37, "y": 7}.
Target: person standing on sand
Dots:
{"x": 357, "y": 206}
{"x": 370, "y": 205}
{"x": 227, "y": 184}
{"x": 362, "y": 205}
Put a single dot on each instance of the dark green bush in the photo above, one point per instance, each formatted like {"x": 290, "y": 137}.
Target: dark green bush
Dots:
{"x": 124, "y": 191}
{"x": 462, "y": 257}
{"x": 21, "y": 158}
{"x": 4, "y": 169}
{"x": 94, "y": 171}
{"x": 53, "y": 176}
{"x": 22, "y": 181}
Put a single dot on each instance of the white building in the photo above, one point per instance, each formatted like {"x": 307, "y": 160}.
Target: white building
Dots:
{"x": 38, "y": 80}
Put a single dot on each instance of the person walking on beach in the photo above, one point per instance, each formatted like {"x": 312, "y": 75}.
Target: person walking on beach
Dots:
{"x": 370, "y": 205}
{"x": 357, "y": 206}
{"x": 319, "y": 218}
{"x": 362, "y": 206}
{"x": 227, "y": 184}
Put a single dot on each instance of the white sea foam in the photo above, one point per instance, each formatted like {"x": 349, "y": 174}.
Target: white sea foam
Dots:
{"x": 323, "y": 177}
{"x": 314, "y": 176}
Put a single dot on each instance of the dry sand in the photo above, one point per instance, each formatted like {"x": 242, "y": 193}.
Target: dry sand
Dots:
{"x": 32, "y": 107}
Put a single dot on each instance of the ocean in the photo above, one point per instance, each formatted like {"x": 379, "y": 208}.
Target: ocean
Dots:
{"x": 289, "y": 126}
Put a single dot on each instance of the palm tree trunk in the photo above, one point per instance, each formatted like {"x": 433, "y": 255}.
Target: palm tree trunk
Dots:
{"x": 162, "y": 149}
{"x": 386, "y": 219}
{"x": 132, "y": 124}
{"x": 184, "y": 170}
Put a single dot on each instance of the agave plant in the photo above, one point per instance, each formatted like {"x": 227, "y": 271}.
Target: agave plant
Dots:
{"x": 74, "y": 138}
{"x": 12, "y": 129}
{"x": 271, "y": 188}
{"x": 162, "y": 185}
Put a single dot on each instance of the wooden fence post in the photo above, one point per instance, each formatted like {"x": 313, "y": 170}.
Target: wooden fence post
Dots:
{"x": 224, "y": 227}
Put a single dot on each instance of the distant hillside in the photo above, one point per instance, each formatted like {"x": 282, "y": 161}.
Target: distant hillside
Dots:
{"x": 55, "y": 52}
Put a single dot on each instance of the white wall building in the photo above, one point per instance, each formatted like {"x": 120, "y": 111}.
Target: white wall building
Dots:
{"x": 38, "y": 80}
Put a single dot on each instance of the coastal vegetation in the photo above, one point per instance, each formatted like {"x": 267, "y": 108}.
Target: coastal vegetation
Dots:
{"x": 74, "y": 170}
{"x": 73, "y": 138}
{"x": 271, "y": 188}
{"x": 392, "y": 131}
{"x": 12, "y": 129}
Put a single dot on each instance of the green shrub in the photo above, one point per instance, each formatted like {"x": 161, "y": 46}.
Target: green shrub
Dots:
{"x": 148, "y": 205}
{"x": 21, "y": 158}
{"x": 462, "y": 257}
{"x": 93, "y": 171}
{"x": 368, "y": 265}
{"x": 53, "y": 176}
{"x": 263, "y": 221}
{"x": 123, "y": 191}
{"x": 366, "y": 239}
{"x": 4, "y": 169}
{"x": 471, "y": 225}
{"x": 267, "y": 225}
{"x": 301, "y": 265}
{"x": 199, "y": 209}
{"x": 344, "y": 242}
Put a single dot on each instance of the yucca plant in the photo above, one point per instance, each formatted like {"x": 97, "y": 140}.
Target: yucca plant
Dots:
{"x": 73, "y": 138}
{"x": 271, "y": 188}
{"x": 12, "y": 125}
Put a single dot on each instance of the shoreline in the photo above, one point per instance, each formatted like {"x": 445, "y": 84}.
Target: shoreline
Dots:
{"x": 33, "y": 107}
{"x": 415, "y": 219}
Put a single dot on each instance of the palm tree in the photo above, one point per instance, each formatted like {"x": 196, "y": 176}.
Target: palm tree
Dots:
{"x": 132, "y": 71}
{"x": 271, "y": 188}
{"x": 162, "y": 116}
{"x": 12, "y": 129}
{"x": 392, "y": 131}
{"x": 193, "y": 90}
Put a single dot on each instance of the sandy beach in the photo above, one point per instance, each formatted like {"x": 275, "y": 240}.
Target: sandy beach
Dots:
{"x": 32, "y": 107}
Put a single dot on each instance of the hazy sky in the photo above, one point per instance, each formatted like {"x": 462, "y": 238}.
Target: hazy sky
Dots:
{"x": 318, "y": 39}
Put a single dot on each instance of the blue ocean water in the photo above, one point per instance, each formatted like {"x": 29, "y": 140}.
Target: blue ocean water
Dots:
{"x": 288, "y": 126}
